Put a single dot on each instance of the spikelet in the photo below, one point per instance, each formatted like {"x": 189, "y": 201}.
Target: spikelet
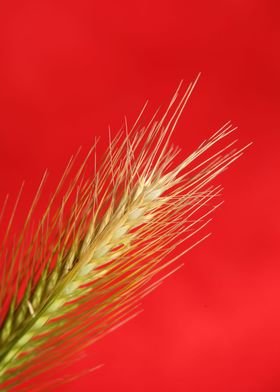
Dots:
{"x": 92, "y": 258}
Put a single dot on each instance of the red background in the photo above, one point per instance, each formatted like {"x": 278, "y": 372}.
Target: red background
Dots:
{"x": 68, "y": 69}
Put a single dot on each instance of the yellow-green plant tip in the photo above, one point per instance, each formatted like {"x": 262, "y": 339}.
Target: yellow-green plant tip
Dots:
{"x": 103, "y": 243}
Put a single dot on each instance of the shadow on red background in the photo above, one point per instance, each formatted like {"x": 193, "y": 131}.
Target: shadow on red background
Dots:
{"x": 68, "y": 69}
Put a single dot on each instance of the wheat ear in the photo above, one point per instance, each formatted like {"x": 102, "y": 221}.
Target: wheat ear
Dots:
{"x": 93, "y": 256}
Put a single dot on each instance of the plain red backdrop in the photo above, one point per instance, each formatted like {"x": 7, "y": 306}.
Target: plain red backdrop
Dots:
{"x": 68, "y": 69}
